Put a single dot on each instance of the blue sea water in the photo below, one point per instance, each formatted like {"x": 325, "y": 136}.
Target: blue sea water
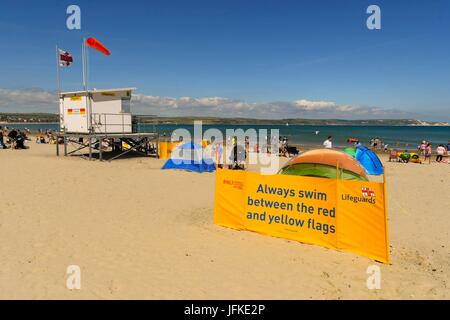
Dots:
{"x": 395, "y": 136}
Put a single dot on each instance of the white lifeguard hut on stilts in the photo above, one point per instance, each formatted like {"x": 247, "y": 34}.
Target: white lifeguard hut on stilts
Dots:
{"x": 96, "y": 111}
{"x": 90, "y": 118}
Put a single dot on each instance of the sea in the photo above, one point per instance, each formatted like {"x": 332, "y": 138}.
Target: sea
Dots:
{"x": 408, "y": 137}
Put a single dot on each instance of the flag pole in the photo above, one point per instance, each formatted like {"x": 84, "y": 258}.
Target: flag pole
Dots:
{"x": 85, "y": 83}
{"x": 58, "y": 84}
{"x": 83, "y": 58}
{"x": 58, "y": 76}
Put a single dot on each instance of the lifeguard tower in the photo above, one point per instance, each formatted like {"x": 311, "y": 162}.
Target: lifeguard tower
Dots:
{"x": 95, "y": 118}
{"x": 96, "y": 111}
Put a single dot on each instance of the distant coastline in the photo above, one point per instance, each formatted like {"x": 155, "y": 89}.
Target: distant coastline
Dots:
{"x": 48, "y": 118}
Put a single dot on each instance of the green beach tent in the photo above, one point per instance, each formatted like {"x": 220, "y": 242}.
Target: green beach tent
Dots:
{"x": 350, "y": 151}
{"x": 323, "y": 163}
{"x": 320, "y": 171}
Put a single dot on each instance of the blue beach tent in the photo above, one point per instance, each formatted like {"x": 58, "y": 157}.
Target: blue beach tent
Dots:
{"x": 369, "y": 160}
{"x": 189, "y": 157}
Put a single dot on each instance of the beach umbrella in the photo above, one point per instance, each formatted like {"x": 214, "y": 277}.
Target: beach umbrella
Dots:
{"x": 323, "y": 163}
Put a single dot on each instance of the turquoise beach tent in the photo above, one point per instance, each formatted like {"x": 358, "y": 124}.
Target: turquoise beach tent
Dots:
{"x": 369, "y": 160}
{"x": 189, "y": 157}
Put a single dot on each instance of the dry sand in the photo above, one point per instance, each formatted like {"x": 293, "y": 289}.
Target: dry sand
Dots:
{"x": 142, "y": 233}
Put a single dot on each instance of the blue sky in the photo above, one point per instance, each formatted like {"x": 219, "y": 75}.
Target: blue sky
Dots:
{"x": 237, "y": 58}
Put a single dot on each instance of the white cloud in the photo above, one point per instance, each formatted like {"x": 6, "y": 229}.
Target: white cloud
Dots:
{"x": 314, "y": 105}
{"x": 39, "y": 100}
{"x": 217, "y": 106}
{"x": 27, "y": 100}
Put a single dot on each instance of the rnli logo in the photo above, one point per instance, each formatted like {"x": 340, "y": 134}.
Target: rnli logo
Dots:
{"x": 367, "y": 193}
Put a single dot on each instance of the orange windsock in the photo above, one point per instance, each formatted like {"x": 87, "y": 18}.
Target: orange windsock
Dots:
{"x": 97, "y": 45}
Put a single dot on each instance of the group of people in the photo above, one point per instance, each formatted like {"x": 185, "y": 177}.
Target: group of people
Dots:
{"x": 12, "y": 138}
{"x": 425, "y": 149}
{"x": 46, "y": 137}
{"x": 375, "y": 143}
{"x": 424, "y": 153}
{"x": 239, "y": 153}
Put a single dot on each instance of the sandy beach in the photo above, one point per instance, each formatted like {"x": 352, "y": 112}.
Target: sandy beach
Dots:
{"x": 138, "y": 232}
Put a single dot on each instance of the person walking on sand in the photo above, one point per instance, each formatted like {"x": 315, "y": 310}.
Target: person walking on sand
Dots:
{"x": 440, "y": 150}
{"x": 428, "y": 153}
{"x": 328, "y": 144}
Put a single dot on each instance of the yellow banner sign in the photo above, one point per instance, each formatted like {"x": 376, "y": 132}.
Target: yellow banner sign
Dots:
{"x": 340, "y": 214}
{"x": 75, "y": 98}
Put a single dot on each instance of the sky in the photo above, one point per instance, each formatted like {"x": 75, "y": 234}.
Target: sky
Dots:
{"x": 236, "y": 58}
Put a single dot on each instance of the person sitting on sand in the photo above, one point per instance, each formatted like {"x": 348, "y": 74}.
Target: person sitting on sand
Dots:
{"x": 12, "y": 137}
{"x": 405, "y": 156}
{"x": 40, "y": 140}
{"x": 19, "y": 140}
{"x": 440, "y": 150}
{"x": 51, "y": 140}
{"x": 428, "y": 151}
{"x": 393, "y": 155}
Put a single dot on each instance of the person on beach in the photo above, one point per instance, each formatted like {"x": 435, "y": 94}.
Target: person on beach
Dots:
{"x": 422, "y": 148}
{"x": 2, "y": 143}
{"x": 428, "y": 151}
{"x": 393, "y": 155}
{"x": 284, "y": 148}
{"x": 18, "y": 139}
{"x": 40, "y": 140}
{"x": 218, "y": 154}
{"x": 52, "y": 139}
{"x": 440, "y": 150}
{"x": 448, "y": 148}
{"x": 376, "y": 141}
{"x": 328, "y": 144}
{"x": 405, "y": 156}
{"x": 12, "y": 137}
